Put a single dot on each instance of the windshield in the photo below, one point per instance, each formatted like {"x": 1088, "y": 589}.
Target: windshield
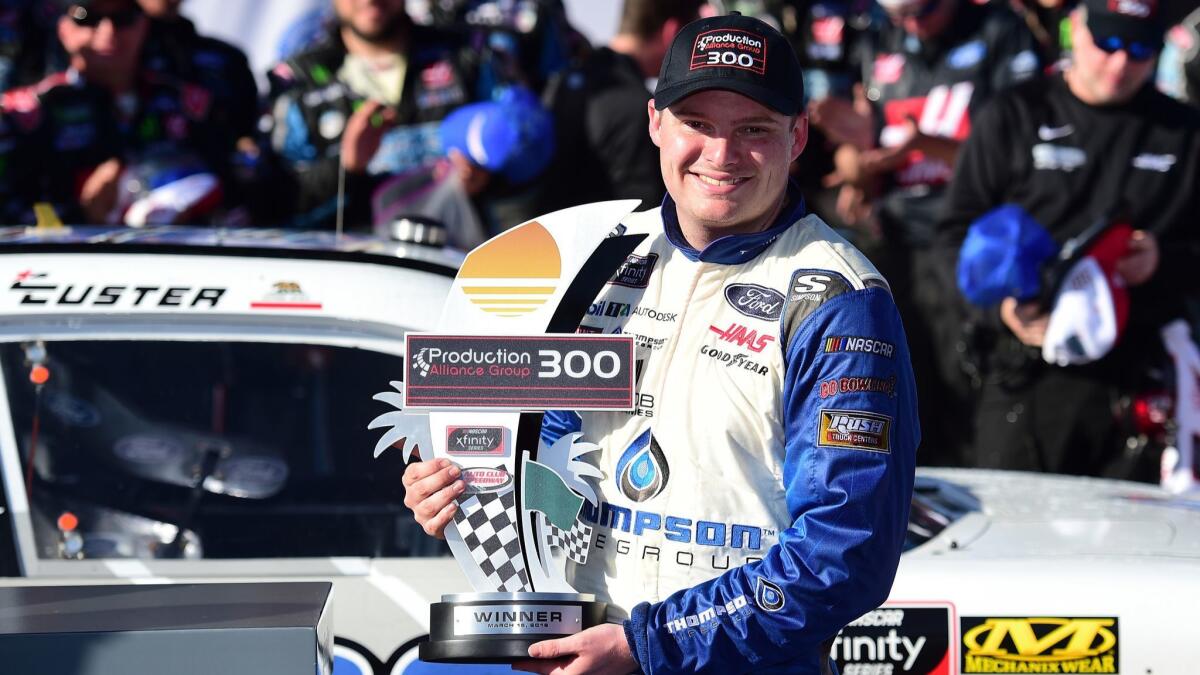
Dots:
{"x": 207, "y": 449}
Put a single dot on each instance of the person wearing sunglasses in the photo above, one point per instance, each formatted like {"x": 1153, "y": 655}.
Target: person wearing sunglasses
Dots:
{"x": 1095, "y": 143}
{"x": 923, "y": 73}
{"x": 68, "y": 139}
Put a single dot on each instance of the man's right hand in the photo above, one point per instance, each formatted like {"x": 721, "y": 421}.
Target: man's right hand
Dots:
{"x": 363, "y": 134}
{"x": 1026, "y": 321}
{"x": 430, "y": 489}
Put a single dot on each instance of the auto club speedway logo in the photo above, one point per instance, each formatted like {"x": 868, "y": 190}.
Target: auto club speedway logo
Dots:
{"x": 515, "y": 273}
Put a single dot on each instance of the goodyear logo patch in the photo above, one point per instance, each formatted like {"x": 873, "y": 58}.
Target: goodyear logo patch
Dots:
{"x": 863, "y": 345}
{"x": 730, "y": 48}
{"x": 854, "y": 429}
{"x": 1040, "y": 645}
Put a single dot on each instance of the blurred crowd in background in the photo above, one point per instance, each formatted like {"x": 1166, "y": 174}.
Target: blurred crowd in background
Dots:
{"x": 988, "y": 156}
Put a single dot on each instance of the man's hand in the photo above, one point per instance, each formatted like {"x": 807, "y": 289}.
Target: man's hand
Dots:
{"x": 1141, "y": 260}
{"x": 430, "y": 489}
{"x": 1025, "y": 320}
{"x": 600, "y": 649}
{"x": 473, "y": 177}
{"x": 363, "y": 134}
{"x": 843, "y": 121}
{"x": 98, "y": 195}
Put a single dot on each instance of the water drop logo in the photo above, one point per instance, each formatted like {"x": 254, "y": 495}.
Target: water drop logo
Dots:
{"x": 768, "y": 596}
{"x": 642, "y": 471}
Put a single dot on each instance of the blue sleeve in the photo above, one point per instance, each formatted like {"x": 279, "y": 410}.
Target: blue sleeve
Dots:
{"x": 559, "y": 423}
{"x": 850, "y": 421}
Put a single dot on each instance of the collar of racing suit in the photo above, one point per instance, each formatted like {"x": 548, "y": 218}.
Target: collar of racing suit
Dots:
{"x": 735, "y": 248}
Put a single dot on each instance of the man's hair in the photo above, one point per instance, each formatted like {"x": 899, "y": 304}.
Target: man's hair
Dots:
{"x": 645, "y": 18}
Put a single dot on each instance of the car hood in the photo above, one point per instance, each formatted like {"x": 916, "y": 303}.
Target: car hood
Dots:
{"x": 1006, "y": 514}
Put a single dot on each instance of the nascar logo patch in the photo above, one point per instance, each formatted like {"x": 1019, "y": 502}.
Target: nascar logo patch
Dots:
{"x": 864, "y": 345}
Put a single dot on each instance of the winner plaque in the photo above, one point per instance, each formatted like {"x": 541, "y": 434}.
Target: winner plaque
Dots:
{"x": 475, "y": 392}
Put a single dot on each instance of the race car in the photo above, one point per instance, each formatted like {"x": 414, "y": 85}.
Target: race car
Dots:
{"x": 183, "y": 405}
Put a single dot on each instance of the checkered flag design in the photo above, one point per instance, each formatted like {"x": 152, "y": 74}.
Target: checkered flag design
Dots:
{"x": 574, "y": 543}
{"x": 486, "y": 524}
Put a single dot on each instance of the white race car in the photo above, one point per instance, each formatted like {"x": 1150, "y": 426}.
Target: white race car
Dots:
{"x": 186, "y": 405}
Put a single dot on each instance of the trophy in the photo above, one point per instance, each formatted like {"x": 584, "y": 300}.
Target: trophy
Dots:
{"x": 474, "y": 393}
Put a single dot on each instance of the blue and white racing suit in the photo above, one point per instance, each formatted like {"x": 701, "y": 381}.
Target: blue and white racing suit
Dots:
{"x": 757, "y": 499}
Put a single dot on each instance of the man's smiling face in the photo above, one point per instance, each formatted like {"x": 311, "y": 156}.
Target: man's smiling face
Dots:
{"x": 725, "y": 159}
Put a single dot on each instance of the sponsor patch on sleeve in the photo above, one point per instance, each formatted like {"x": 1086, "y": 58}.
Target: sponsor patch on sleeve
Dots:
{"x": 858, "y": 344}
{"x": 854, "y": 429}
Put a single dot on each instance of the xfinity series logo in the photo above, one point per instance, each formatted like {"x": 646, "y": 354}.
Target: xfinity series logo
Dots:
{"x": 743, "y": 337}
{"x": 755, "y": 301}
{"x": 475, "y": 442}
{"x": 730, "y": 48}
{"x": 635, "y": 271}
{"x": 854, "y": 429}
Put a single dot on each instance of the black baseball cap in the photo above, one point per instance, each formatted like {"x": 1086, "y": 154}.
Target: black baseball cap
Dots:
{"x": 736, "y": 53}
{"x": 1126, "y": 22}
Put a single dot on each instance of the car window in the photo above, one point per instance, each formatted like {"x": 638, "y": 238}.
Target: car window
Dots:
{"x": 226, "y": 450}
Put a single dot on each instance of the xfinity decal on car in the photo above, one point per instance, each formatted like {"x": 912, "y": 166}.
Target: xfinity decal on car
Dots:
{"x": 898, "y": 638}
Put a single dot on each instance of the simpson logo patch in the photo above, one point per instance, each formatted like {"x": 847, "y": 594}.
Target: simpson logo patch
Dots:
{"x": 730, "y": 48}
{"x": 854, "y": 429}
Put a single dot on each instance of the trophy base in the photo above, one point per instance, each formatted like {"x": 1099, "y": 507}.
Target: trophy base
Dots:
{"x": 499, "y": 627}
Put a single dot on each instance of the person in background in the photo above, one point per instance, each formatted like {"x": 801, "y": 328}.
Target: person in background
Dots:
{"x": 174, "y": 49}
{"x": 368, "y": 101}
{"x": 599, "y": 107}
{"x": 74, "y": 136}
{"x": 1096, "y": 144}
{"x": 922, "y": 75}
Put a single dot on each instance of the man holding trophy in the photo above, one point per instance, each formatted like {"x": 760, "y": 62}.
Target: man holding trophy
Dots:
{"x": 755, "y": 499}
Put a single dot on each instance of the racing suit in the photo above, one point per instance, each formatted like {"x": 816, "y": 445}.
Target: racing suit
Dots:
{"x": 53, "y": 134}
{"x": 940, "y": 83}
{"x": 1069, "y": 164}
{"x": 758, "y": 495}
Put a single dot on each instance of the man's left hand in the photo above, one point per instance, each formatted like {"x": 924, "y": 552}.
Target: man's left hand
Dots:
{"x": 1141, "y": 260}
{"x": 601, "y": 649}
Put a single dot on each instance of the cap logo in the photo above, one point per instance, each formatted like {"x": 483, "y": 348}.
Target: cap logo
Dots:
{"x": 1141, "y": 9}
{"x": 730, "y": 48}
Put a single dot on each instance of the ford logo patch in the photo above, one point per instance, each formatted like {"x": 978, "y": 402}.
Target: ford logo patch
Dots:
{"x": 755, "y": 301}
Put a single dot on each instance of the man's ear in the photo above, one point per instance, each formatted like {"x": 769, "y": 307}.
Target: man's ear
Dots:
{"x": 655, "y": 123}
{"x": 799, "y": 135}
{"x": 666, "y": 36}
